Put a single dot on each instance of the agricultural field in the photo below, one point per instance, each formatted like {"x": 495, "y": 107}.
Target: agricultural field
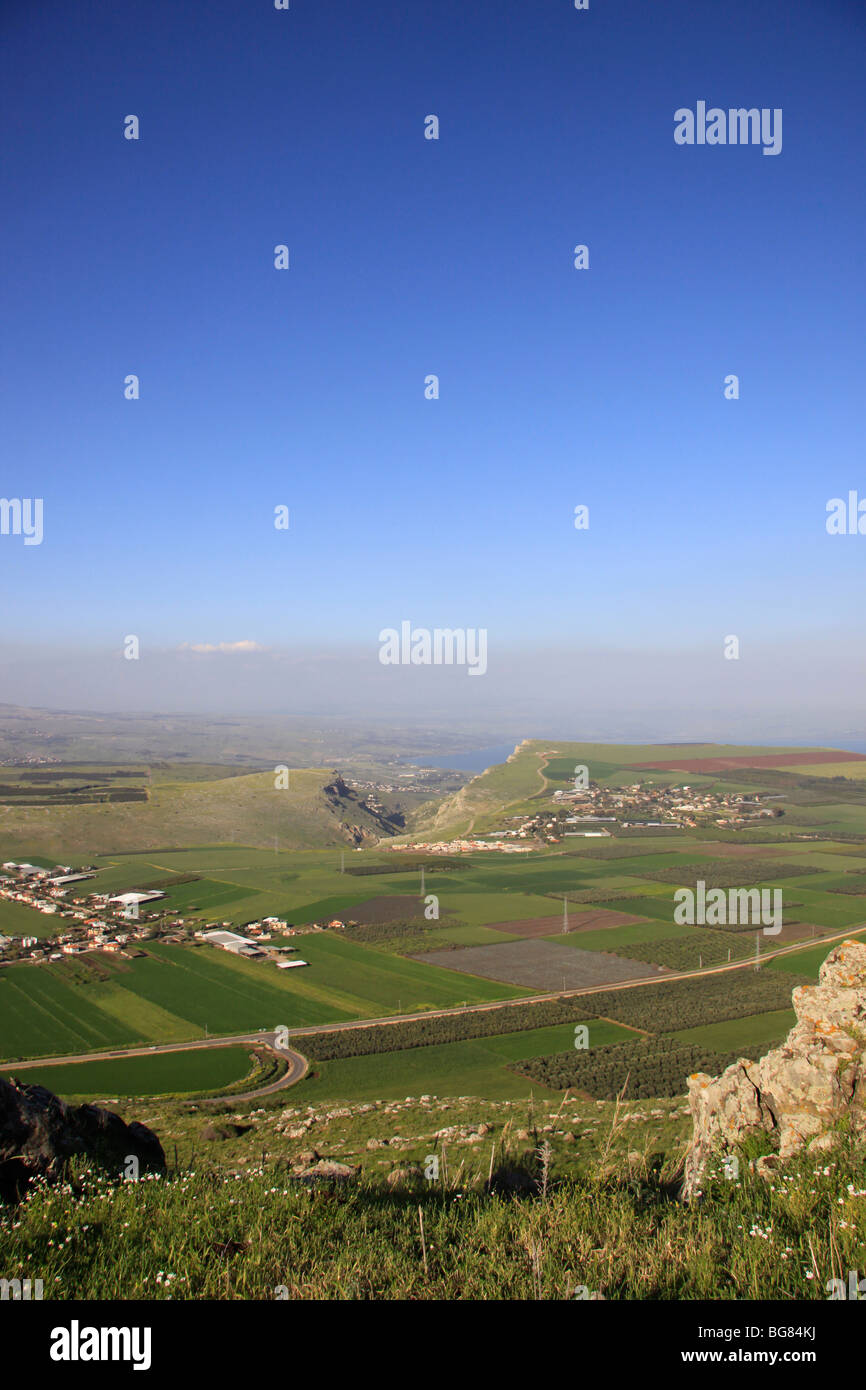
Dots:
{"x": 646, "y": 1039}
{"x": 496, "y": 932}
{"x": 171, "y": 993}
{"x": 164, "y": 1073}
{"x": 544, "y": 965}
{"x": 475, "y": 1067}
{"x": 17, "y": 919}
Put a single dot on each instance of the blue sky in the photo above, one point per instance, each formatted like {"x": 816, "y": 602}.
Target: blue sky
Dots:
{"x": 410, "y": 257}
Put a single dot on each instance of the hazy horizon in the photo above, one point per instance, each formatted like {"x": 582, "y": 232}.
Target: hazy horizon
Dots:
{"x": 773, "y": 695}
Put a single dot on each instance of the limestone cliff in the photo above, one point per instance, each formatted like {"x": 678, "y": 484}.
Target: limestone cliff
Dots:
{"x": 800, "y": 1092}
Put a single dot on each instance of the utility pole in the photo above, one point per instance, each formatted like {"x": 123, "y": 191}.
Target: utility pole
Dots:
{"x": 422, "y": 880}
{"x": 757, "y": 951}
{"x": 342, "y": 861}
{"x": 565, "y": 912}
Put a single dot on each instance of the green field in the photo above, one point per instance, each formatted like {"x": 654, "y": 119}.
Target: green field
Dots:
{"x": 807, "y": 961}
{"x": 477, "y": 1067}
{"x": 172, "y": 993}
{"x": 765, "y": 1030}
{"x": 17, "y": 919}
{"x": 212, "y": 870}
{"x": 208, "y": 1069}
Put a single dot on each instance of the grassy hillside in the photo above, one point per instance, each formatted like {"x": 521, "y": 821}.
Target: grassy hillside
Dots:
{"x": 180, "y": 814}
{"x": 532, "y": 1201}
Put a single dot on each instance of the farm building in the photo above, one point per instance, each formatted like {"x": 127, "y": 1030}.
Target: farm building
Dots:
{"x": 133, "y": 899}
{"x": 230, "y": 941}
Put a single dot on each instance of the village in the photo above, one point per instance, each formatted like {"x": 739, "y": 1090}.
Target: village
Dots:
{"x": 116, "y": 923}
{"x": 596, "y": 812}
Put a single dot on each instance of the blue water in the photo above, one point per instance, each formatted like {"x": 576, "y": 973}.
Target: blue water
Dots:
{"x": 477, "y": 761}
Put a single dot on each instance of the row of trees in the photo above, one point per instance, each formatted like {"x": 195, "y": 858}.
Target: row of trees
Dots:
{"x": 728, "y": 873}
{"x": 679, "y": 1004}
{"x": 424, "y": 1032}
{"x": 654, "y": 1008}
{"x": 652, "y": 1067}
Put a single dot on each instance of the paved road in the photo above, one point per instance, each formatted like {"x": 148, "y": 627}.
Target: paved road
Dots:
{"x": 298, "y": 1064}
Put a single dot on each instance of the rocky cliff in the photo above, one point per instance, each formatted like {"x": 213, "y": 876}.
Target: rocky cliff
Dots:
{"x": 800, "y": 1094}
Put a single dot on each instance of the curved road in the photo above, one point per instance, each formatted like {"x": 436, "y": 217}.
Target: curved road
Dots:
{"x": 298, "y": 1064}
{"x": 295, "y": 1071}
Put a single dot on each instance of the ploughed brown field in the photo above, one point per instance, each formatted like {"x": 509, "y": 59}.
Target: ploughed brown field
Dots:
{"x": 804, "y": 759}
{"x": 400, "y": 908}
{"x": 542, "y": 965}
{"x": 596, "y": 920}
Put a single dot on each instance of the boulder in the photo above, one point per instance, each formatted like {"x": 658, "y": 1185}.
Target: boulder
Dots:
{"x": 798, "y": 1093}
{"x": 39, "y": 1133}
{"x": 328, "y": 1169}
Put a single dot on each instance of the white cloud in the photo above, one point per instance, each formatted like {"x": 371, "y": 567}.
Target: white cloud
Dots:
{"x": 228, "y": 648}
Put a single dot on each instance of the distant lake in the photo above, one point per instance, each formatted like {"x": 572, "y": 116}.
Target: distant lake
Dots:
{"x": 468, "y": 762}
{"x": 488, "y": 757}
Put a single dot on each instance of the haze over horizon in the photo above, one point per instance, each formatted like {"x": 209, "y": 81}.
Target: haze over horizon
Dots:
{"x": 771, "y": 697}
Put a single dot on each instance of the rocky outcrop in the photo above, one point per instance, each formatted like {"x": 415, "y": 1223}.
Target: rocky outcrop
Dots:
{"x": 800, "y": 1092}
{"x": 39, "y": 1133}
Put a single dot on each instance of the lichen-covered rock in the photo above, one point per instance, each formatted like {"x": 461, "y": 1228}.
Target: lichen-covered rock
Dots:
{"x": 39, "y": 1133}
{"x": 800, "y": 1091}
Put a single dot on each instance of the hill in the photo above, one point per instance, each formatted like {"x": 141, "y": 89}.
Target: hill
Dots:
{"x": 537, "y": 766}
{"x": 316, "y": 810}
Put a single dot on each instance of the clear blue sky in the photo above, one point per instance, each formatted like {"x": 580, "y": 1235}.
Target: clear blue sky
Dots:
{"x": 411, "y": 257}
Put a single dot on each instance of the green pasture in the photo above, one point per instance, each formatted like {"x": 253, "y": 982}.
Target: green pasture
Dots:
{"x": 758, "y": 1030}
{"x": 207, "y": 1069}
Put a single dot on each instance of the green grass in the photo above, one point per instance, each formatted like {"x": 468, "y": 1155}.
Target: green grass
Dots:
{"x": 17, "y": 919}
{"x": 478, "y": 908}
{"x": 176, "y": 992}
{"x": 616, "y": 1233}
{"x": 808, "y": 961}
{"x": 764, "y": 1030}
{"x": 41, "y": 1013}
{"x": 209, "y": 1069}
{"x": 373, "y": 982}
